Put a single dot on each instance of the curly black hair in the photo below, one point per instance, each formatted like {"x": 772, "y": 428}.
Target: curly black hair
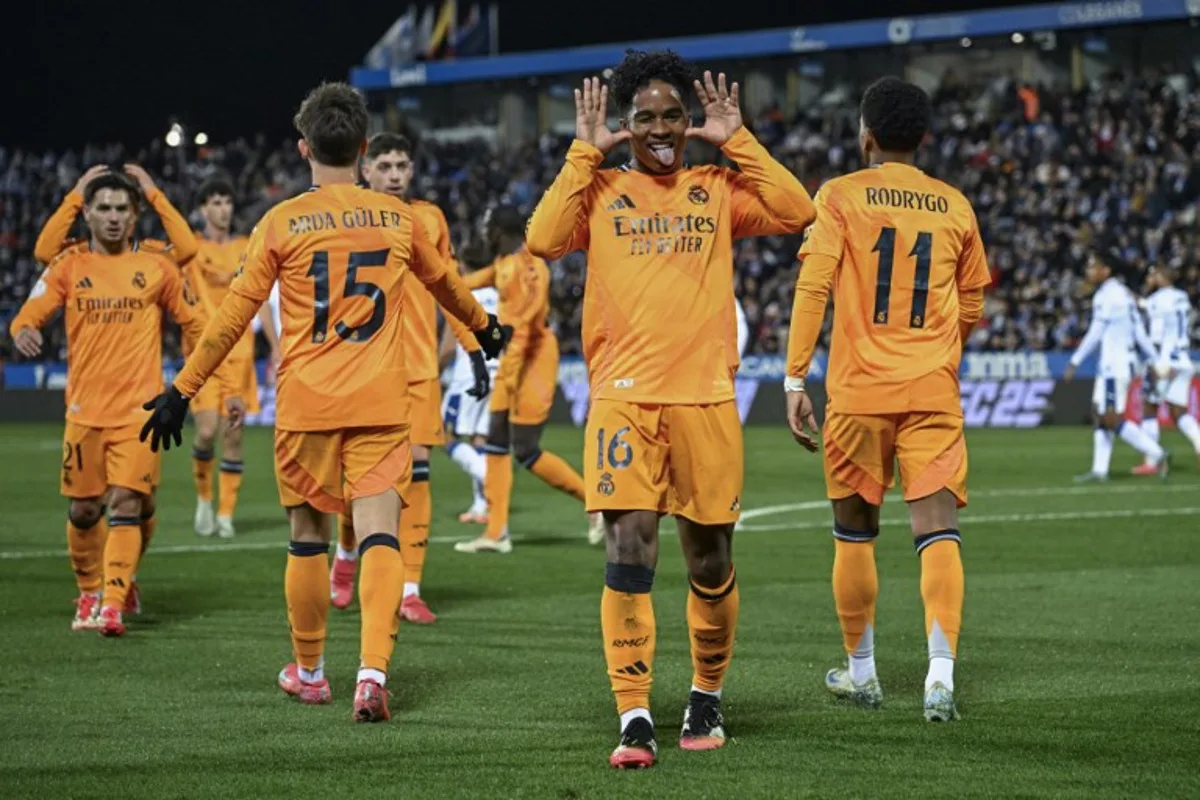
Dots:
{"x": 639, "y": 67}
{"x": 897, "y": 113}
{"x": 112, "y": 180}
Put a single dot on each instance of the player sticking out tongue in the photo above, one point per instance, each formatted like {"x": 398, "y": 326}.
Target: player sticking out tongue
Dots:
{"x": 652, "y": 89}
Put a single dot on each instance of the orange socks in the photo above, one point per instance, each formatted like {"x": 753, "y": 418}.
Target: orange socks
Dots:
{"x": 121, "y": 553}
{"x": 497, "y": 487}
{"x": 148, "y": 527}
{"x": 712, "y": 622}
{"x": 942, "y": 587}
{"x": 380, "y": 586}
{"x": 202, "y": 469}
{"x": 230, "y": 483}
{"x": 627, "y": 624}
{"x": 86, "y": 549}
{"x": 855, "y": 588}
{"x": 414, "y": 523}
{"x": 306, "y": 586}
{"x": 556, "y": 472}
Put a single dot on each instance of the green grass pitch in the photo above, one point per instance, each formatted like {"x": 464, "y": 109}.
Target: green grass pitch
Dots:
{"x": 1079, "y": 671}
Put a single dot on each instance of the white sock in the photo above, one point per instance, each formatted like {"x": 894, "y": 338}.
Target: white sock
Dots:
{"x": 941, "y": 670}
{"x": 1191, "y": 429}
{"x": 347, "y": 555}
{"x": 862, "y": 660}
{"x": 479, "y": 503}
{"x": 1136, "y": 437}
{"x": 472, "y": 462}
{"x": 1150, "y": 428}
{"x": 716, "y": 694}
{"x": 411, "y": 588}
{"x": 632, "y": 714}
{"x": 313, "y": 676}
{"x": 372, "y": 675}
{"x": 1102, "y": 447}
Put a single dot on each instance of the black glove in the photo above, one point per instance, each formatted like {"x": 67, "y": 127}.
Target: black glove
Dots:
{"x": 493, "y": 338}
{"x": 483, "y": 381}
{"x": 168, "y": 411}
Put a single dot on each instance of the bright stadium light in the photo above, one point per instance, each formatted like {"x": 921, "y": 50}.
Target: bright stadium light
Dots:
{"x": 175, "y": 135}
{"x": 201, "y": 138}
{"x": 965, "y": 41}
{"x": 1018, "y": 38}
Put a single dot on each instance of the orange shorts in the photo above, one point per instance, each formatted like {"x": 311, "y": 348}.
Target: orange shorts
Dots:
{"x": 326, "y": 468}
{"x": 426, "y": 416}
{"x": 211, "y": 398}
{"x": 528, "y": 397}
{"x": 861, "y": 450}
{"x": 96, "y": 458}
{"x": 674, "y": 459}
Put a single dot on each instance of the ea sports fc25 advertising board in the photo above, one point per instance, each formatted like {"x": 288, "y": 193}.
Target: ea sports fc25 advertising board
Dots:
{"x": 999, "y": 390}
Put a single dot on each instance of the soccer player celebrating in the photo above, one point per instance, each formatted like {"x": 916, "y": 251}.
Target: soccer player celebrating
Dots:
{"x": 525, "y": 382}
{"x": 388, "y": 168}
{"x": 1117, "y": 329}
{"x": 1169, "y": 311}
{"x": 181, "y": 244}
{"x": 904, "y": 255}
{"x": 663, "y": 435}
{"x": 113, "y": 296}
{"x": 340, "y": 254}
{"x": 210, "y": 273}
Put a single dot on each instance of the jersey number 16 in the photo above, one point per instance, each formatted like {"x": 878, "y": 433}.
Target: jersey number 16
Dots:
{"x": 922, "y": 250}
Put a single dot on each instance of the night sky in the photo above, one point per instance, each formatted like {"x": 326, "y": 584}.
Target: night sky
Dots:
{"x": 117, "y": 71}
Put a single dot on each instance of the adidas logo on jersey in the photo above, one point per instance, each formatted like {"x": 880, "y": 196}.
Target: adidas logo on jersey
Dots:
{"x": 86, "y": 283}
{"x": 621, "y": 203}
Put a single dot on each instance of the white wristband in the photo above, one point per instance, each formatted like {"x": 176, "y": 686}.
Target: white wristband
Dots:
{"x": 791, "y": 384}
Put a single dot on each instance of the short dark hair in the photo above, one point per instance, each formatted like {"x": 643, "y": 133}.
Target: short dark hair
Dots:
{"x": 214, "y": 187}
{"x": 897, "y": 113}
{"x": 387, "y": 142}
{"x": 1109, "y": 255}
{"x": 639, "y": 68}
{"x": 333, "y": 120}
{"x": 507, "y": 218}
{"x": 110, "y": 180}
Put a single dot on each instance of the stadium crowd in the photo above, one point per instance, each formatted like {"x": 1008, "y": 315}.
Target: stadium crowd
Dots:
{"x": 1049, "y": 173}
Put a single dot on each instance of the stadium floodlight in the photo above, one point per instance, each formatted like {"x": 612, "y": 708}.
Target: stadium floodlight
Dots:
{"x": 1018, "y": 37}
{"x": 201, "y": 138}
{"x": 965, "y": 41}
{"x": 175, "y": 135}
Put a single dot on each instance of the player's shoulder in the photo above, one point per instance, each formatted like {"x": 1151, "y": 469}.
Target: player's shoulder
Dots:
{"x": 73, "y": 253}
{"x": 427, "y": 207}
{"x": 155, "y": 255}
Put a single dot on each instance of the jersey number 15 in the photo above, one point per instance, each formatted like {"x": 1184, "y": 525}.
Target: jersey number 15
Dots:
{"x": 922, "y": 250}
{"x": 319, "y": 272}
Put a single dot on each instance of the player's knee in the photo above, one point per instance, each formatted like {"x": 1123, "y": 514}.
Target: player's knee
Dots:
{"x": 526, "y": 453}
{"x": 125, "y": 503}
{"x": 937, "y": 512}
{"x": 1111, "y": 420}
{"x": 632, "y": 538}
{"x": 86, "y": 512}
{"x": 149, "y": 506}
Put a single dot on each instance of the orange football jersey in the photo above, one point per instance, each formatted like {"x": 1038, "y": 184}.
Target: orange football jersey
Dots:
{"x": 523, "y": 282}
{"x": 658, "y": 310}
{"x": 906, "y": 245}
{"x": 420, "y": 309}
{"x": 113, "y": 313}
{"x": 340, "y": 254}
{"x": 211, "y": 272}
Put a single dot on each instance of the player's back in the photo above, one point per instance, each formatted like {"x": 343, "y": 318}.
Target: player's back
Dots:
{"x": 911, "y": 244}
{"x": 1169, "y": 312}
{"x": 523, "y": 281}
{"x": 342, "y": 253}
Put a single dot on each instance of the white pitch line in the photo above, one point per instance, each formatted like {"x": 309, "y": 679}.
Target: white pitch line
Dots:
{"x": 987, "y": 519}
{"x": 797, "y": 525}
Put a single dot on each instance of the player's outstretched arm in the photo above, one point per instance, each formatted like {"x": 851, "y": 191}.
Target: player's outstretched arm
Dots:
{"x": 767, "y": 198}
{"x": 481, "y": 278}
{"x": 44, "y": 301}
{"x": 53, "y": 237}
{"x": 179, "y": 233}
{"x": 559, "y": 223}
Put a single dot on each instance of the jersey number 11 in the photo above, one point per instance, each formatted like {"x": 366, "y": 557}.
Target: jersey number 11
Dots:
{"x": 922, "y": 249}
